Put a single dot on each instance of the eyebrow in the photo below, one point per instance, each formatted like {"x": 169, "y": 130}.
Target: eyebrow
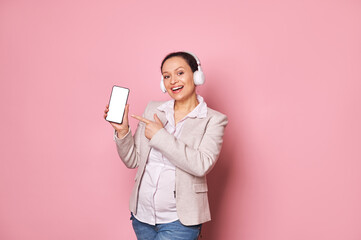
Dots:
{"x": 174, "y": 69}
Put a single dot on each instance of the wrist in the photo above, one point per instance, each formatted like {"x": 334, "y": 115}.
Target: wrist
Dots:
{"x": 121, "y": 133}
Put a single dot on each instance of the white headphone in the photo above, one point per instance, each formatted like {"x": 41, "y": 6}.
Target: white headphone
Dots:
{"x": 198, "y": 76}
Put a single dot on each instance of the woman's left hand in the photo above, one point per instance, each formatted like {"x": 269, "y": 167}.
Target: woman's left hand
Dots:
{"x": 152, "y": 127}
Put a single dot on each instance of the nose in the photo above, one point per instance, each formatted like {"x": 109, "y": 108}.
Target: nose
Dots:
{"x": 174, "y": 80}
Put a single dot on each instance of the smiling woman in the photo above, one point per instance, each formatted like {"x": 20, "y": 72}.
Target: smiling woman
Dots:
{"x": 176, "y": 144}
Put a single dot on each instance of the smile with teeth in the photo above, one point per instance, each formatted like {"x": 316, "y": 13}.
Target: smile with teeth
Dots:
{"x": 177, "y": 88}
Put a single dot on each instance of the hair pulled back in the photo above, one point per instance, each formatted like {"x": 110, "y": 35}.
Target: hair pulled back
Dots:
{"x": 192, "y": 62}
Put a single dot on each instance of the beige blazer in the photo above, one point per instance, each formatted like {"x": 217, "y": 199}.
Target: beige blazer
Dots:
{"x": 194, "y": 154}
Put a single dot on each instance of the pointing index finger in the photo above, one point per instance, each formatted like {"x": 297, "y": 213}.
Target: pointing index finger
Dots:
{"x": 141, "y": 119}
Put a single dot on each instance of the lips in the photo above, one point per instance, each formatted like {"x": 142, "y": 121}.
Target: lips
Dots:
{"x": 177, "y": 89}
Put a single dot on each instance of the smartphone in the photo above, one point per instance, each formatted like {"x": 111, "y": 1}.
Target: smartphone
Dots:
{"x": 118, "y": 100}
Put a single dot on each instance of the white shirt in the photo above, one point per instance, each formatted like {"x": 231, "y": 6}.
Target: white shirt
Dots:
{"x": 157, "y": 193}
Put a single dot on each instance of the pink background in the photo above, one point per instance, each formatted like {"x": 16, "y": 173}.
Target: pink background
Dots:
{"x": 287, "y": 73}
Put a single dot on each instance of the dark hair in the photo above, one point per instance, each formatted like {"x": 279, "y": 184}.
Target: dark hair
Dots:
{"x": 192, "y": 62}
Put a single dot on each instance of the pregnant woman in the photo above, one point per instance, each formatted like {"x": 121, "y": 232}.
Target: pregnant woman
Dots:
{"x": 175, "y": 145}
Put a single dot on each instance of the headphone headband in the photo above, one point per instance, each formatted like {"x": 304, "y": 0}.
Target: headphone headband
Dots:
{"x": 195, "y": 57}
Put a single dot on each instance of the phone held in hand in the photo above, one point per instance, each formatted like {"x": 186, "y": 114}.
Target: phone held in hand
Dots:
{"x": 118, "y": 100}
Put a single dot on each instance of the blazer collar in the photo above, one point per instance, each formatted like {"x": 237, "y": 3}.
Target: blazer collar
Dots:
{"x": 199, "y": 112}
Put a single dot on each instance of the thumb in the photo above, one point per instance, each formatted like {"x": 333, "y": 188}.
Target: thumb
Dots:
{"x": 157, "y": 120}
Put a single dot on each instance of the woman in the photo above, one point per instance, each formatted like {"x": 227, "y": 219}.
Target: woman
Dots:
{"x": 176, "y": 144}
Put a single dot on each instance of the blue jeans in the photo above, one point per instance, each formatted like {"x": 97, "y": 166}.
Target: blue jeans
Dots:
{"x": 167, "y": 231}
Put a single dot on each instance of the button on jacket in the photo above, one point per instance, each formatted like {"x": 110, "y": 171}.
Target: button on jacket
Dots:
{"x": 193, "y": 153}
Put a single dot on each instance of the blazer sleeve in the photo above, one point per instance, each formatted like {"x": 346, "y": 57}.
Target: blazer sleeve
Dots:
{"x": 197, "y": 162}
{"x": 128, "y": 147}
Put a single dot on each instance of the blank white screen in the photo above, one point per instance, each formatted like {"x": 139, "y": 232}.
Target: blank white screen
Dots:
{"x": 117, "y": 103}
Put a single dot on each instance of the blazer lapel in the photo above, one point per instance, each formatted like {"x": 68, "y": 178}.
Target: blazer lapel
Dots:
{"x": 161, "y": 116}
{"x": 190, "y": 124}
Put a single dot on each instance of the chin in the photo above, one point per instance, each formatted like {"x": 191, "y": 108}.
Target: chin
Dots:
{"x": 181, "y": 97}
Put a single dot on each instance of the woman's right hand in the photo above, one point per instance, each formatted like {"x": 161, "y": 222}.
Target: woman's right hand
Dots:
{"x": 122, "y": 129}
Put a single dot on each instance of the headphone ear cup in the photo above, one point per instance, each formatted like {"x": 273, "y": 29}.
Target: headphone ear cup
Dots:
{"x": 162, "y": 87}
{"x": 198, "y": 77}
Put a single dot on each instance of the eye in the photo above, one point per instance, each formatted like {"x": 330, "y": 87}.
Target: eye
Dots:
{"x": 180, "y": 73}
{"x": 166, "y": 77}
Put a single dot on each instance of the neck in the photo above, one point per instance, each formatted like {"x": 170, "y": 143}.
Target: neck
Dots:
{"x": 186, "y": 105}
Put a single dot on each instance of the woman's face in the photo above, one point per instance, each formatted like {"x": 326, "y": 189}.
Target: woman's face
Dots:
{"x": 178, "y": 78}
